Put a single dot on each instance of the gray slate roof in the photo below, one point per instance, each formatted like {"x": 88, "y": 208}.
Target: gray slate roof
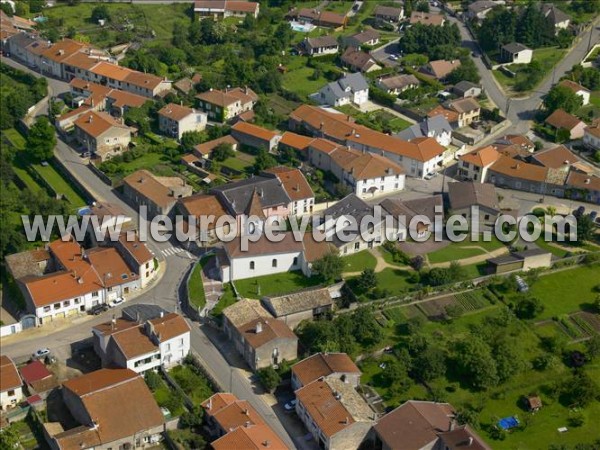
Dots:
{"x": 438, "y": 124}
{"x": 355, "y": 81}
{"x": 349, "y": 206}
{"x": 237, "y": 195}
{"x": 321, "y": 41}
{"x": 514, "y": 47}
{"x": 463, "y": 86}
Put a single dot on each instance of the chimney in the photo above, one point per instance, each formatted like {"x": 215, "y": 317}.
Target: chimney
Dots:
{"x": 346, "y": 421}
{"x": 259, "y": 327}
{"x": 470, "y": 441}
{"x": 267, "y": 443}
{"x": 162, "y": 314}
{"x": 90, "y": 119}
{"x": 80, "y": 280}
{"x": 247, "y": 424}
{"x": 209, "y": 406}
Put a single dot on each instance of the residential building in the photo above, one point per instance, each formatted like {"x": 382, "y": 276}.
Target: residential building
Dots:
{"x": 583, "y": 187}
{"x": 562, "y": 120}
{"x": 11, "y": 385}
{"x": 591, "y": 135}
{"x": 577, "y": 89}
{"x": 463, "y": 196}
{"x": 31, "y": 262}
{"x": 337, "y": 366}
{"x": 158, "y": 194}
{"x": 326, "y": 19}
{"x": 440, "y": 68}
{"x": 368, "y": 37}
{"x": 479, "y": 10}
{"x": 255, "y": 136}
{"x": 102, "y": 135}
{"x": 220, "y": 9}
{"x": 118, "y": 102}
{"x": 223, "y": 106}
{"x": 418, "y": 157}
{"x": 468, "y": 110}
{"x": 353, "y": 88}
{"x": 417, "y": 425}
{"x": 334, "y": 413}
{"x": 174, "y": 120}
{"x": 436, "y": 127}
{"x": 359, "y": 61}
{"x": 466, "y": 89}
{"x": 140, "y": 346}
{"x": 558, "y": 157}
{"x": 307, "y": 304}
{"x": 38, "y": 379}
{"x": 296, "y": 142}
{"x": 515, "y": 53}
{"x": 237, "y": 424}
{"x": 397, "y": 84}
{"x": 302, "y": 198}
{"x": 91, "y": 400}
{"x": 413, "y": 218}
{"x": 138, "y": 257}
{"x": 522, "y": 261}
{"x": 322, "y": 45}
{"x": 205, "y": 205}
{"x": 366, "y": 174}
{"x": 558, "y": 18}
{"x": 474, "y": 165}
{"x": 389, "y": 13}
{"x": 425, "y": 18}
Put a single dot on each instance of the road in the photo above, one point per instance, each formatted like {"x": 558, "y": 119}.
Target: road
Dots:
{"x": 163, "y": 293}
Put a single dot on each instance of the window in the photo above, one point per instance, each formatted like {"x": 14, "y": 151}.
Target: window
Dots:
{"x": 94, "y": 294}
{"x": 274, "y": 263}
{"x": 167, "y": 347}
{"x": 296, "y": 261}
{"x": 67, "y": 303}
{"x": 487, "y": 217}
{"x": 396, "y": 186}
{"x": 181, "y": 342}
{"x": 77, "y": 301}
{"x": 382, "y": 179}
{"x": 356, "y": 245}
{"x": 147, "y": 265}
{"x": 251, "y": 265}
{"x": 46, "y": 308}
{"x": 11, "y": 393}
{"x": 57, "y": 306}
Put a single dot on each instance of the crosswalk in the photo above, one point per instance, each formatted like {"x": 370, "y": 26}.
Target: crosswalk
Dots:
{"x": 172, "y": 251}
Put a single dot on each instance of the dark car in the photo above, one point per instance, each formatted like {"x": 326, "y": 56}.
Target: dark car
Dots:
{"x": 579, "y": 211}
{"x": 99, "y": 309}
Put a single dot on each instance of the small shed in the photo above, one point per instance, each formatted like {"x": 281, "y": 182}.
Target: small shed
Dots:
{"x": 534, "y": 403}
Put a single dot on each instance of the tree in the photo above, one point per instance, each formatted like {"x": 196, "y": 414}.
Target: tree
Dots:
{"x": 593, "y": 346}
{"x": 423, "y": 6}
{"x": 365, "y": 329}
{"x": 467, "y": 71}
{"x": 367, "y": 280}
{"x": 417, "y": 262}
{"x": 223, "y": 151}
{"x": 41, "y": 139}
{"x": 429, "y": 363}
{"x": 561, "y": 97}
{"x": 578, "y": 390}
{"x": 497, "y": 29}
{"x": 7, "y": 9}
{"x": 190, "y": 139}
{"x": 528, "y": 307}
{"x": 192, "y": 419}
{"x": 329, "y": 267}
{"x": 585, "y": 229}
{"x": 474, "y": 361}
{"x": 153, "y": 380}
{"x": 9, "y": 438}
{"x": 508, "y": 360}
{"x": 396, "y": 377}
{"x": 264, "y": 160}
{"x": 269, "y": 378}
{"x": 100, "y": 12}
{"x": 36, "y": 6}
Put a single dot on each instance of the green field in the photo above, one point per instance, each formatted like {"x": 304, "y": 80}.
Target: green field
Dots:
{"x": 299, "y": 78}
{"x": 279, "y": 283}
{"x": 459, "y": 250}
{"x": 359, "y": 261}
{"x": 195, "y": 285}
{"x": 228, "y": 298}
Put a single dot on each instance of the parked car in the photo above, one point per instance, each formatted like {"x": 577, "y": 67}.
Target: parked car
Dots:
{"x": 99, "y": 309}
{"x": 116, "y": 302}
{"x": 579, "y": 211}
{"x": 430, "y": 175}
{"x": 41, "y": 353}
{"x": 291, "y": 405}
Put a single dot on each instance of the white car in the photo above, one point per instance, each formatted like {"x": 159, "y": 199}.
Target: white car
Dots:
{"x": 430, "y": 175}
{"x": 117, "y": 301}
{"x": 291, "y": 405}
{"x": 41, "y": 353}
{"x": 394, "y": 57}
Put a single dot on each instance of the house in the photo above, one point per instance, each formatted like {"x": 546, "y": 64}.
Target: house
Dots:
{"x": 38, "y": 379}
{"x": 466, "y": 89}
{"x": 11, "y": 385}
{"x": 91, "y": 400}
{"x": 327, "y": 366}
{"x": 102, "y": 135}
{"x": 577, "y": 89}
{"x": 340, "y": 225}
{"x": 140, "y": 346}
{"x": 352, "y": 88}
{"x": 296, "y": 142}
{"x": 255, "y": 136}
{"x": 479, "y": 10}
{"x": 366, "y": 174}
{"x": 559, "y": 157}
{"x": 326, "y": 19}
{"x": 561, "y": 120}
{"x": 223, "y": 106}
{"x": 202, "y": 153}
{"x": 174, "y": 120}
{"x": 416, "y": 425}
{"x": 205, "y": 205}
{"x": 31, "y": 262}
{"x": 591, "y": 135}
{"x": 237, "y": 424}
{"x": 221, "y": 9}
{"x": 474, "y": 165}
{"x": 558, "y": 18}
{"x": 515, "y": 53}
{"x": 389, "y": 13}
{"x": 412, "y": 218}
{"x": 418, "y": 157}
{"x": 184, "y": 85}
{"x": 302, "y": 197}
{"x": 440, "y": 68}
{"x": 523, "y": 261}
{"x": 368, "y": 37}
{"x": 468, "y": 110}
{"x": 334, "y": 413}
{"x": 262, "y": 340}
{"x": 583, "y": 186}
{"x": 322, "y": 45}
{"x": 436, "y": 127}
{"x": 137, "y": 256}
{"x": 307, "y": 304}
{"x": 118, "y": 102}
{"x": 425, "y": 18}
{"x": 464, "y": 196}
{"x": 158, "y": 194}
{"x": 397, "y": 84}
{"x": 359, "y": 61}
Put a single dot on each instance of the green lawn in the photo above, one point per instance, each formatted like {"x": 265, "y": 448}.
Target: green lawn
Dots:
{"x": 359, "y": 261}
{"x": 59, "y": 184}
{"x": 279, "y": 283}
{"x": 241, "y": 161}
{"x": 196, "y": 288}
{"x": 228, "y": 298}
{"x": 465, "y": 249}
{"x": 194, "y": 384}
{"x": 395, "y": 280}
{"x": 299, "y": 78}
{"x": 567, "y": 291}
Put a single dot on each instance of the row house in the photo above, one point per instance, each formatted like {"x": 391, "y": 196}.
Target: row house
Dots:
{"x": 11, "y": 385}
{"x": 101, "y": 135}
{"x": 326, "y": 366}
{"x": 222, "y": 106}
{"x": 222, "y": 9}
{"x": 174, "y": 120}
{"x": 255, "y": 136}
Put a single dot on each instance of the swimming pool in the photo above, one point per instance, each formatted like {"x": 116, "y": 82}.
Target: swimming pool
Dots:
{"x": 302, "y": 27}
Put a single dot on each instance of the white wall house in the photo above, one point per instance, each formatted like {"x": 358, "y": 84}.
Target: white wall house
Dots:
{"x": 11, "y": 390}
{"x": 174, "y": 120}
{"x": 352, "y": 88}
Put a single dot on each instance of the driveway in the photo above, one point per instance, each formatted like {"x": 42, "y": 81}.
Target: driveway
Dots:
{"x": 383, "y": 53}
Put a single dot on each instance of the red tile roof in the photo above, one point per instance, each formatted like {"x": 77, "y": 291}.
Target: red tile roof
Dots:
{"x": 562, "y": 119}
{"x": 323, "y": 365}
{"x": 294, "y": 182}
{"x": 34, "y": 371}
{"x": 254, "y": 131}
{"x": 96, "y": 123}
{"x": 9, "y": 377}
